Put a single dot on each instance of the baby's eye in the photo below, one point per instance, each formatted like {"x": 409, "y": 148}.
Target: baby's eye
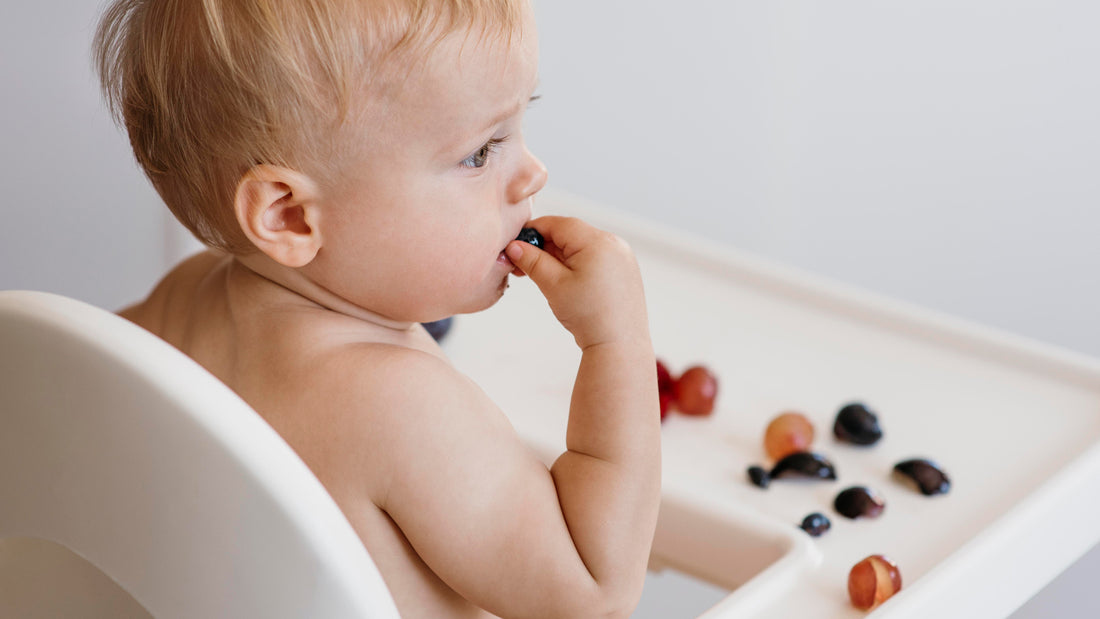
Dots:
{"x": 481, "y": 157}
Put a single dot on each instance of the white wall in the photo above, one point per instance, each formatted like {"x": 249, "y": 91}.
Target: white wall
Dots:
{"x": 944, "y": 152}
{"x": 77, "y": 216}
{"x": 940, "y": 151}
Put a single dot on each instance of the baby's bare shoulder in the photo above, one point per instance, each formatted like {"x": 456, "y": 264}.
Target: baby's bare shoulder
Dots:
{"x": 383, "y": 406}
{"x": 179, "y": 282}
{"x": 386, "y": 389}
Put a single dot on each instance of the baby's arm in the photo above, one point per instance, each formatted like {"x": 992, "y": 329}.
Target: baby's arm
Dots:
{"x": 482, "y": 512}
{"x": 608, "y": 480}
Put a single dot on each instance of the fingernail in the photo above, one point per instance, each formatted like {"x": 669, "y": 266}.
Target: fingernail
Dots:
{"x": 514, "y": 251}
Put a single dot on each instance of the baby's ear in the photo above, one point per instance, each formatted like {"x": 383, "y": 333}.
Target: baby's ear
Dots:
{"x": 277, "y": 209}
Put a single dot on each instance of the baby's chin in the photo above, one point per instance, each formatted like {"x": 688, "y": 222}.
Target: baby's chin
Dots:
{"x": 492, "y": 299}
{"x": 483, "y": 301}
{"x": 498, "y": 294}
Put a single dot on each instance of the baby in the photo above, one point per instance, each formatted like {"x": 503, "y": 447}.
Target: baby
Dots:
{"x": 358, "y": 167}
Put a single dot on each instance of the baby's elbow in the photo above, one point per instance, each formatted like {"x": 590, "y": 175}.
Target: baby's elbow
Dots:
{"x": 600, "y": 602}
{"x": 622, "y": 605}
{"x": 609, "y": 608}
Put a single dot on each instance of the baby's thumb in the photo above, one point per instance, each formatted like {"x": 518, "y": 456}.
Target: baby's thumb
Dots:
{"x": 540, "y": 266}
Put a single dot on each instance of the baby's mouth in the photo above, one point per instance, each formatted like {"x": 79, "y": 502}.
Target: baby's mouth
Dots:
{"x": 503, "y": 259}
{"x": 527, "y": 235}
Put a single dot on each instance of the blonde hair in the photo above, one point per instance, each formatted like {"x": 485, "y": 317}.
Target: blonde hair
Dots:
{"x": 207, "y": 89}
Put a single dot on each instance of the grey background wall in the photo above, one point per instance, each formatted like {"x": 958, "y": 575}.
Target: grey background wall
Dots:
{"x": 943, "y": 152}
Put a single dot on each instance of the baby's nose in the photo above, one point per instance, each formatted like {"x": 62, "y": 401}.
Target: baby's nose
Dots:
{"x": 529, "y": 180}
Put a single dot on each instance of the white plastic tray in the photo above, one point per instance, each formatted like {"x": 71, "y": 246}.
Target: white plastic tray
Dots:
{"x": 1014, "y": 423}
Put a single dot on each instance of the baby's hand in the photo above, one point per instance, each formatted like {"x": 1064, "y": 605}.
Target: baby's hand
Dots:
{"x": 589, "y": 277}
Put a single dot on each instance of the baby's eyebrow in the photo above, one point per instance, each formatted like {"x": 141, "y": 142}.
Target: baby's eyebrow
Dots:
{"x": 512, "y": 111}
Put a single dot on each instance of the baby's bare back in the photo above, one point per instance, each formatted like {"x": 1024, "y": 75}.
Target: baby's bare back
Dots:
{"x": 303, "y": 369}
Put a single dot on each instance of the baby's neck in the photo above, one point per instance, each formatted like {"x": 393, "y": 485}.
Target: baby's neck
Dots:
{"x": 293, "y": 281}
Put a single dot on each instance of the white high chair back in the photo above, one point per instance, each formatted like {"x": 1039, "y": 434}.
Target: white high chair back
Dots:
{"x": 121, "y": 449}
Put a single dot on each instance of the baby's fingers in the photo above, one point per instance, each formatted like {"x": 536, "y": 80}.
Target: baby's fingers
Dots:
{"x": 543, "y": 268}
{"x": 566, "y": 235}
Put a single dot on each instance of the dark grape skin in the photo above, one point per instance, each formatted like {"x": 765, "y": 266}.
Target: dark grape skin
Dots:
{"x": 926, "y": 475}
{"x": 759, "y": 477}
{"x": 859, "y": 502}
{"x": 857, "y": 424}
{"x": 532, "y": 236}
{"x": 804, "y": 464}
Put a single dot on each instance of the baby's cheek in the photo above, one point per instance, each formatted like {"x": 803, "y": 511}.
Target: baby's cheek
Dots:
{"x": 458, "y": 271}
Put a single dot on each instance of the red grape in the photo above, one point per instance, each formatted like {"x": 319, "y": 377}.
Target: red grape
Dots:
{"x": 695, "y": 391}
{"x": 664, "y": 388}
{"x": 872, "y": 581}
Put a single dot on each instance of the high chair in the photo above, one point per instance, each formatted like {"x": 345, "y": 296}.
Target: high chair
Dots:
{"x": 134, "y": 483}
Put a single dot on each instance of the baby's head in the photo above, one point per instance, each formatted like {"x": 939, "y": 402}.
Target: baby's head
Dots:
{"x": 207, "y": 89}
{"x": 265, "y": 123}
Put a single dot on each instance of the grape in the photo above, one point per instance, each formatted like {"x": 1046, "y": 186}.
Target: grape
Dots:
{"x": 788, "y": 433}
{"x": 695, "y": 391}
{"x": 804, "y": 464}
{"x": 665, "y": 399}
{"x": 859, "y": 501}
{"x": 664, "y": 378}
{"x": 925, "y": 474}
{"x": 759, "y": 477}
{"x": 665, "y": 389}
{"x": 855, "y": 423}
{"x": 872, "y": 581}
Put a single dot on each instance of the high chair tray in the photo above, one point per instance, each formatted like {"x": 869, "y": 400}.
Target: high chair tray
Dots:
{"x": 1014, "y": 423}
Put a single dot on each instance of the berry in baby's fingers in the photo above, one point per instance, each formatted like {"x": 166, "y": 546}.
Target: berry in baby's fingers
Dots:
{"x": 695, "y": 391}
{"x": 532, "y": 236}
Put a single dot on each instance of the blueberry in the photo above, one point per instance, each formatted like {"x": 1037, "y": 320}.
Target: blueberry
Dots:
{"x": 439, "y": 328}
{"x": 532, "y": 236}
{"x": 815, "y": 524}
